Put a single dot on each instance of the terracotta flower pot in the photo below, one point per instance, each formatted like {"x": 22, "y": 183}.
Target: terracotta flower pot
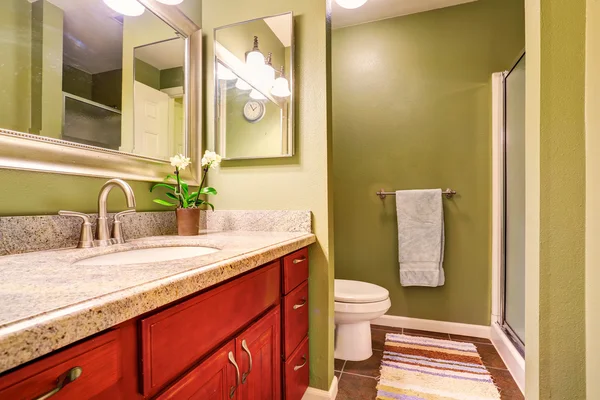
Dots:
{"x": 188, "y": 221}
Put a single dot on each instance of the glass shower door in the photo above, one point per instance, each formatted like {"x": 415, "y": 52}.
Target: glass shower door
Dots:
{"x": 514, "y": 205}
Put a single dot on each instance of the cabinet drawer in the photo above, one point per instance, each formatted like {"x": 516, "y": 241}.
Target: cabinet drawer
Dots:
{"x": 100, "y": 362}
{"x": 295, "y": 318}
{"x": 174, "y": 339}
{"x": 296, "y": 374}
{"x": 295, "y": 269}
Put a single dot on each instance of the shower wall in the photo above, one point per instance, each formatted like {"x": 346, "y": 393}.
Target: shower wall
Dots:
{"x": 412, "y": 110}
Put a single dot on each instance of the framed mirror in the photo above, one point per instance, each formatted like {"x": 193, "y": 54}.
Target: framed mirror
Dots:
{"x": 90, "y": 88}
{"x": 254, "y": 88}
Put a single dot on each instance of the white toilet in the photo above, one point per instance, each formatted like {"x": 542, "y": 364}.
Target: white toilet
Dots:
{"x": 356, "y": 305}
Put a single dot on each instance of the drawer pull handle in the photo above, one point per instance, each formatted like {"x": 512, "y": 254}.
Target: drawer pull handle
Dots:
{"x": 299, "y": 260}
{"x": 247, "y": 350}
{"x": 297, "y": 367}
{"x": 297, "y": 306}
{"x": 237, "y": 370}
{"x": 62, "y": 381}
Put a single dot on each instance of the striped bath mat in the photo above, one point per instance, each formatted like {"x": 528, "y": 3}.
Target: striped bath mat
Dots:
{"x": 420, "y": 368}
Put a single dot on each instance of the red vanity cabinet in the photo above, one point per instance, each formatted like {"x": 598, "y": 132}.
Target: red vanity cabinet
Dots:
{"x": 254, "y": 326}
{"x": 295, "y": 324}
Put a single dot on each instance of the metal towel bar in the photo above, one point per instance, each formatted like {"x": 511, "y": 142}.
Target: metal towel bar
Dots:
{"x": 449, "y": 193}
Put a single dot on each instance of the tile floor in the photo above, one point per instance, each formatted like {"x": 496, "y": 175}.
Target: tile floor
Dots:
{"x": 358, "y": 380}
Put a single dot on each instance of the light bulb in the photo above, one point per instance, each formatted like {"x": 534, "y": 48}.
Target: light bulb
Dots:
{"x": 351, "y": 4}
{"x": 268, "y": 75}
{"x": 255, "y": 59}
{"x": 281, "y": 88}
{"x": 224, "y": 73}
{"x": 256, "y": 95}
{"x": 130, "y": 8}
{"x": 242, "y": 85}
{"x": 171, "y": 2}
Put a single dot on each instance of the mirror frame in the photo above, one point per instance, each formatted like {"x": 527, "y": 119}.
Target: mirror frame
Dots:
{"x": 23, "y": 151}
{"x": 291, "y": 78}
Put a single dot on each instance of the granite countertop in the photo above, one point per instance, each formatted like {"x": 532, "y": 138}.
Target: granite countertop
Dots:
{"x": 47, "y": 303}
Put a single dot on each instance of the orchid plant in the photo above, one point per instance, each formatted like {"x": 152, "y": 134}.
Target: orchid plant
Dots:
{"x": 180, "y": 193}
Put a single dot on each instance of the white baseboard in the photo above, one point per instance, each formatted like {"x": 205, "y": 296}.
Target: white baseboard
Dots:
{"x": 512, "y": 358}
{"x": 318, "y": 394}
{"x": 455, "y": 328}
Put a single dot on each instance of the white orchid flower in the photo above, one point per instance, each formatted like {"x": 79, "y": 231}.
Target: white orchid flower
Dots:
{"x": 211, "y": 159}
{"x": 180, "y": 161}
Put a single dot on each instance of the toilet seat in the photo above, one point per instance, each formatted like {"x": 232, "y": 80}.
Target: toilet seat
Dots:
{"x": 359, "y": 292}
{"x": 362, "y": 308}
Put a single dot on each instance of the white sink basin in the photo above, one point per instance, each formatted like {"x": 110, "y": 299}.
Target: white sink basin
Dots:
{"x": 141, "y": 256}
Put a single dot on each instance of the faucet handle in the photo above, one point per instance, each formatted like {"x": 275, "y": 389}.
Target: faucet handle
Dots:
{"x": 86, "y": 237}
{"x": 117, "y": 232}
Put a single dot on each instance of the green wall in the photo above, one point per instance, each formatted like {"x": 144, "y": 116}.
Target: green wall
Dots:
{"x": 246, "y": 139}
{"x": 556, "y": 190}
{"x": 107, "y": 87}
{"x": 147, "y": 74}
{"x": 412, "y": 110}
{"x": 172, "y": 77}
{"x": 15, "y": 67}
{"x": 77, "y": 82}
{"x": 301, "y": 182}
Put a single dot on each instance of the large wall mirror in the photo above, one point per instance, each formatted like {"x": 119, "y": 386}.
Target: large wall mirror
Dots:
{"x": 254, "y": 88}
{"x": 88, "y": 87}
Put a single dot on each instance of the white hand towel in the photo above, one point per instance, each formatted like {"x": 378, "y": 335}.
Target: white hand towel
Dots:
{"x": 421, "y": 237}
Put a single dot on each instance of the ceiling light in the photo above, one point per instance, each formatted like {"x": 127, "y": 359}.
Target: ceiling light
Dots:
{"x": 256, "y": 95}
{"x": 130, "y": 8}
{"x": 351, "y": 4}
{"x": 171, "y": 2}
{"x": 254, "y": 58}
{"x": 281, "y": 87}
{"x": 268, "y": 72}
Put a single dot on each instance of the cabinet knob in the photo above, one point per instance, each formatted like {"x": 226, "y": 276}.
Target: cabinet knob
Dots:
{"x": 297, "y": 367}
{"x": 71, "y": 375}
{"x": 237, "y": 370}
{"x": 297, "y": 306}
{"x": 247, "y": 350}
{"x": 299, "y": 260}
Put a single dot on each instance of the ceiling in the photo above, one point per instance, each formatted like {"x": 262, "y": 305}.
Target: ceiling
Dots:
{"x": 375, "y": 10}
{"x": 282, "y": 28}
{"x": 163, "y": 55}
{"x": 93, "y": 39}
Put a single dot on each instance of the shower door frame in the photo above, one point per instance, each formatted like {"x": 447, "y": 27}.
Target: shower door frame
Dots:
{"x": 510, "y": 333}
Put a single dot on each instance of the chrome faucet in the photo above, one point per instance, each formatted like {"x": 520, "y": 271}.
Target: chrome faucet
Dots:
{"x": 102, "y": 232}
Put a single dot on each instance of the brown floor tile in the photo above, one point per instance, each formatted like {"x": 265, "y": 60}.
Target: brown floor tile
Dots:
{"x": 387, "y": 328}
{"x": 369, "y": 367}
{"x": 490, "y": 356}
{"x": 352, "y": 387}
{"x": 505, "y": 383}
{"x": 415, "y": 332}
{"x": 378, "y": 338}
{"x": 470, "y": 339}
{"x": 337, "y": 374}
{"x": 338, "y": 364}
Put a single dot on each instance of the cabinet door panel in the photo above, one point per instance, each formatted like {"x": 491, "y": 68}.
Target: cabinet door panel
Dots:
{"x": 261, "y": 344}
{"x": 214, "y": 379}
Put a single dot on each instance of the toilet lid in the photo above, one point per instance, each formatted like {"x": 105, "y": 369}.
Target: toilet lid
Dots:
{"x": 359, "y": 292}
